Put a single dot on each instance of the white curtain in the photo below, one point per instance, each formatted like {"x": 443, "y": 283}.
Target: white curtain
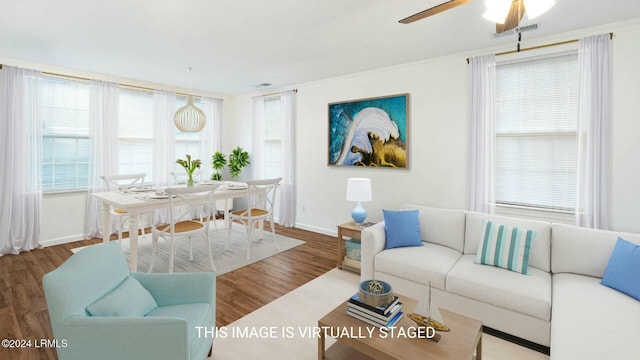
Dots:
{"x": 257, "y": 155}
{"x": 103, "y": 131}
{"x": 164, "y": 136}
{"x": 287, "y": 214}
{"x": 594, "y": 117}
{"x": 20, "y": 160}
{"x": 211, "y": 139}
{"x": 164, "y": 139}
{"x": 482, "y": 141}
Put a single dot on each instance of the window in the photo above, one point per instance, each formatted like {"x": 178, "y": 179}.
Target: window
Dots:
{"x": 536, "y": 125}
{"x": 273, "y": 137}
{"x": 66, "y": 145}
{"x": 273, "y": 117}
{"x": 135, "y": 133}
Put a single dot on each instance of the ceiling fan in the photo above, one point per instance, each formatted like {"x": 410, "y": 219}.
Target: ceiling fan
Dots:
{"x": 505, "y": 13}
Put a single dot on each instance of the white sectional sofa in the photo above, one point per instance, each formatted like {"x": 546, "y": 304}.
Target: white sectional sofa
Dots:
{"x": 590, "y": 320}
{"x": 560, "y": 303}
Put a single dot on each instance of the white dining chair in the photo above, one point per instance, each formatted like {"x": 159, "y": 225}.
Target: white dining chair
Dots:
{"x": 122, "y": 182}
{"x": 193, "y": 197}
{"x": 180, "y": 178}
{"x": 260, "y": 195}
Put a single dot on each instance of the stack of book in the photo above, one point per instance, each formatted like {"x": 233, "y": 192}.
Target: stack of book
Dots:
{"x": 381, "y": 316}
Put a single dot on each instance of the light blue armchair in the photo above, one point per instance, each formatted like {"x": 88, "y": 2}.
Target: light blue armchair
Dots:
{"x": 98, "y": 310}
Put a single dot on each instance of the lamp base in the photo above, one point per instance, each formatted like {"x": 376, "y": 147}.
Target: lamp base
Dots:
{"x": 359, "y": 214}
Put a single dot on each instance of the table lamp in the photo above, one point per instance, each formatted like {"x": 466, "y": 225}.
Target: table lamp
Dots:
{"x": 359, "y": 190}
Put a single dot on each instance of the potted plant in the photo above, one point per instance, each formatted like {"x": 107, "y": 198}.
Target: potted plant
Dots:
{"x": 190, "y": 166}
{"x": 218, "y": 161}
{"x": 238, "y": 159}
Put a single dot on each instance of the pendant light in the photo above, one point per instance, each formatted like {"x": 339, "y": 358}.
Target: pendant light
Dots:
{"x": 189, "y": 118}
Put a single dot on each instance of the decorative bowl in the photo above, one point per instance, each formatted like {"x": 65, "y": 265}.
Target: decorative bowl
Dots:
{"x": 376, "y": 293}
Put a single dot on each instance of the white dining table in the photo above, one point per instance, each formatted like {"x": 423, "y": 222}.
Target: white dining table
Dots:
{"x": 137, "y": 202}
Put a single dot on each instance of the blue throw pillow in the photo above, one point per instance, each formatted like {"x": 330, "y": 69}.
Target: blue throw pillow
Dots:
{"x": 623, "y": 271}
{"x": 129, "y": 298}
{"x": 401, "y": 228}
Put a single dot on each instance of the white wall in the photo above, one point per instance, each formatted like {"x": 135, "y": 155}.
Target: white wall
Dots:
{"x": 63, "y": 218}
{"x": 438, "y": 150}
{"x": 438, "y": 121}
{"x": 438, "y": 130}
{"x": 625, "y": 174}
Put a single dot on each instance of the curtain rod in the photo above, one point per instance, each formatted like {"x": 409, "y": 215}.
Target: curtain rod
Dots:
{"x": 541, "y": 46}
{"x": 279, "y": 92}
{"x": 128, "y": 86}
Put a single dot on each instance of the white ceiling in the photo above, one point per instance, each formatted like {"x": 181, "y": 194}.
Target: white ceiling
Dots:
{"x": 234, "y": 45}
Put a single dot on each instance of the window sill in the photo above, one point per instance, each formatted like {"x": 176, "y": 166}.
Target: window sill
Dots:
{"x": 49, "y": 194}
{"x": 556, "y": 216}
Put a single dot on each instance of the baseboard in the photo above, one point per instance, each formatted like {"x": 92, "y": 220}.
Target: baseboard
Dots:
{"x": 516, "y": 340}
{"x": 63, "y": 240}
{"x": 317, "y": 229}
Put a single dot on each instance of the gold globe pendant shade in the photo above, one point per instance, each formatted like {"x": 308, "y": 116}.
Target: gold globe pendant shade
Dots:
{"x": 189, "y": 118}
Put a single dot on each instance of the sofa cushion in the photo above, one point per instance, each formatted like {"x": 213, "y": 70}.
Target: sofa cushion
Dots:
{"x": 505, "y": 246}
{"x": 440, "y": 226}
{"x": 430, "y": 262}
{"x": 540, "y": 256}
{"x": 197, "y": 315}
{"x": 591, "y": 321}
{"x": 584, "y": 251}
{"x": 623, "y": 271}
{"x": 127, "y": 299}
{"x": 529, "y": 295}
{"x": 401, "y": 228}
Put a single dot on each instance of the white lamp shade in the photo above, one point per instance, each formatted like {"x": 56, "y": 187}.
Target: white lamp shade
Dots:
{"x": 497, "y": 10}
{"x": 359, "y": 189}
{"x": 189, "y": 118}
{"x": 535, "y": 8}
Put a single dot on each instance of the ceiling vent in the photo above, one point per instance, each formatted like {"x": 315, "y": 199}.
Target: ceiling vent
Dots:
{"x": 515, "y": 31}
{"x": 262, "y": 85}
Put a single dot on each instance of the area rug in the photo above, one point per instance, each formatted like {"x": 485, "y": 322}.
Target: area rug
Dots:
{"x": 225, "y": 260}
{"x": 278, "y": 330}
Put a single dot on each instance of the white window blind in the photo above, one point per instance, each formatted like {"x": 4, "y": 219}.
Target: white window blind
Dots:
{"x": 65, "y": 135}
{"x": 135, "y": 133}
{"x": 273, "y": 137}
{"x": 273, "y": 120}
{"x": 536, "y": 123}
{"x": 67, "y": 145}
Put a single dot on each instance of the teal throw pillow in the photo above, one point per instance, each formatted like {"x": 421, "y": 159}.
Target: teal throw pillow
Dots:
{"x": 504, "y": 246}
{"x": 623, "y": 270}
{"x": 402, "y": 228}
{"x": 127, "y": 299}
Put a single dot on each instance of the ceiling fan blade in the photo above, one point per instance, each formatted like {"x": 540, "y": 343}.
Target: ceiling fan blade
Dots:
{"x": 434, "y": 10}
{"x": 513, "y": 18}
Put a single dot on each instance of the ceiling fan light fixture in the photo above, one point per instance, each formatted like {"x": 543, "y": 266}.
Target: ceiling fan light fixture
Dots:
{"x": 535, "y": 8}
{"x": 497, "y": 10}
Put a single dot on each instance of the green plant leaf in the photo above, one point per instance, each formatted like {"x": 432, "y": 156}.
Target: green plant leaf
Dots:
{"x": 189, "y": 165}
{"x": 238, "y": 159}
{"x": 218, "y": 161}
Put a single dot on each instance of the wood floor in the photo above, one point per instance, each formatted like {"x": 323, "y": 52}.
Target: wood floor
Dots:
{"x": 23, "y": 309}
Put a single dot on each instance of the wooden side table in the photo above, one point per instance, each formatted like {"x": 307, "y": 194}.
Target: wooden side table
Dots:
{"x": 349, "y": 230}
